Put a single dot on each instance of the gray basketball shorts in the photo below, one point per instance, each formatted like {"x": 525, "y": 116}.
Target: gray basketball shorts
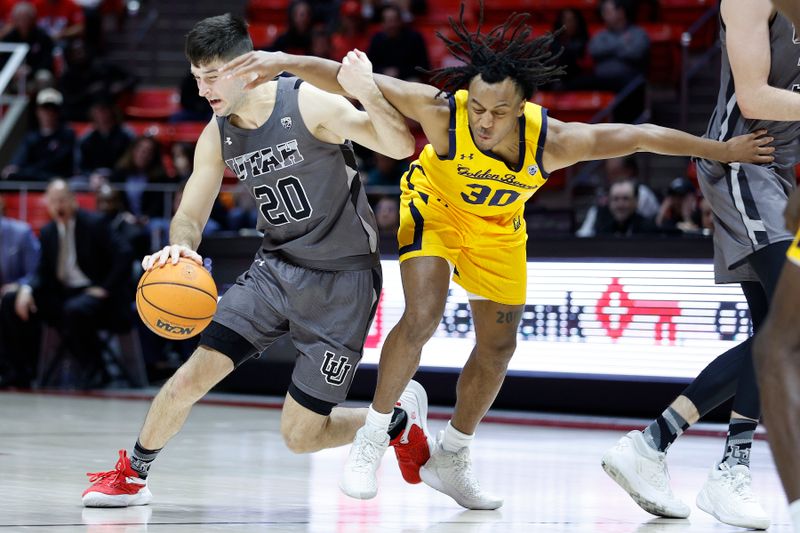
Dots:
{"x": 748, "y": 202}
{"x": 327, "y": 314}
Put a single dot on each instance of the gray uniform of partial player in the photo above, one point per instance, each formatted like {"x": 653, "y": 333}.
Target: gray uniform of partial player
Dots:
{"x": 748, "y": 200}
{"x": 317, "y": 275}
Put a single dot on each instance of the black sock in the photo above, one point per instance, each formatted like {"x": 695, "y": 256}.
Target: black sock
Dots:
{"x": 740, "y": 440}
{"x": 398, "y": 423}
{"x": 665, "y": 429}
{"x": 141, "y": 459}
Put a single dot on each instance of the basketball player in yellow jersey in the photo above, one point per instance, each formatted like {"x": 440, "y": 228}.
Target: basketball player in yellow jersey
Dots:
{"x": 461, "y": 216}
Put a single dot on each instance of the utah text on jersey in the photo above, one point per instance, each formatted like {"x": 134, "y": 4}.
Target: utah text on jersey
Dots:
{"x": 265, "y": 160}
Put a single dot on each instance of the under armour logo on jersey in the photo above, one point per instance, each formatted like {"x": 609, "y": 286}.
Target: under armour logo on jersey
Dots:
{"x": 335, "y": 370}
{"x": 532, "y": 170}
{"x": 467, "y": 156}
{"x": 260, "y": 262}
{"x": 228, "y": 141}
{"x": 286, "y": 122}
{"x": 517, "y": 223}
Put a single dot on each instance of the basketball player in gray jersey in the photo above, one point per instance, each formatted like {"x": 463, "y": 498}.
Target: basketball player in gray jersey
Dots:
{"x": 759, "y": 85}
{"x": 777, "y": 345}
{"x": 317, "y": 274}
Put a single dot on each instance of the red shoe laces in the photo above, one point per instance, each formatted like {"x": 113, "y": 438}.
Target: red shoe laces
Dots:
{"x": 116, "y": 474}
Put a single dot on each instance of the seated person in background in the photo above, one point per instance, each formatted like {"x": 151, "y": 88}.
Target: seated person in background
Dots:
{"x": 243, "y": 215}
{"x": 679, "y": 212}
{"x": 571, "y": 42}
{"x": 83, "y": 280}
{"x": 105, "y": 143}
{"x": 139, "y": 167}
{"x": 19, "y": 255}
{"x": 352, "y": 30}
{"x": 397, "y": 50}
{"x": 63, "y": 20}
{"x": 408, "y": 8}
{"x": 87, "y": 79}
{"x": 387, "y": 216}
{"x": 22, "y": 28}
{"x": 297, "y": 38}
{"x": 48, "y": 151}
{"x": 620, "y": 218}
{"x": 123, "y": 224}
{"x": 621, "y": 50}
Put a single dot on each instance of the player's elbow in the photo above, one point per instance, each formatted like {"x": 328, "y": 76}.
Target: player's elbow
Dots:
{"x": 749, "y": 104}
{"x": 403, "y": 148}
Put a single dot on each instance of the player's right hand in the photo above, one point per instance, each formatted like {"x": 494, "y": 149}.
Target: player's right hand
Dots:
{"x": 750, "y": 148}
{"x": 254, "y": 68}
{"x": 172, "y": 252}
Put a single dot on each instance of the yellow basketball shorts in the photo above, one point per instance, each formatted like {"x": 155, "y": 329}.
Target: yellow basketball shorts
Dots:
{"x": 793, "y": 254}
{"x": 487, "y": 254}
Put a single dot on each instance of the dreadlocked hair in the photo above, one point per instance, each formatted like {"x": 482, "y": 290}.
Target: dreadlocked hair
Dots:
{"x": 507, "y": 51}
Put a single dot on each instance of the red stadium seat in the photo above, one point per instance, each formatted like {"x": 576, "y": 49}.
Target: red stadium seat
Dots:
{"x": 153, "y": 103}
{"x": 267, "y": 11}
{"x": 573, "y": 106}
{"x": 184, "y": 132}
{"x": 542, "y": 11}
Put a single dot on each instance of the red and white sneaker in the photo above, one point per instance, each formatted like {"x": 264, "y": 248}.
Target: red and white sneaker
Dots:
{"x": 120, "y": 487}
{"x": 413, "y": 445}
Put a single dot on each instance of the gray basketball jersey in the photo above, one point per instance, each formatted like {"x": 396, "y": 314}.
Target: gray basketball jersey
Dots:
{"x": 312, "y": 207}
{"x": 784, "y": 73}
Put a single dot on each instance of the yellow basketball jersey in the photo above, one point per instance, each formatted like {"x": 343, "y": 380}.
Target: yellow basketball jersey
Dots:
{"x": 479, "y": 182}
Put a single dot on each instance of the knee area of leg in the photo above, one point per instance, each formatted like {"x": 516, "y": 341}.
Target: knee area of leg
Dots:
{"x": 296, "y": 441}
{"x": 420, "y": 324}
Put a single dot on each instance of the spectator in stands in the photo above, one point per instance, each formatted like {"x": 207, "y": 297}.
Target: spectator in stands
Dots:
{"x": 706, "y": 217}
{"x": 619, "y": 217}
{"x": 679, "y": 211}
{"x": 19, "y": 255}
{"x": 87, "y": 79}
{"x": 397, "y": 50}
{"x": 22, "y": 28}
{"x": 182, "y": 159}
{"x": 387, "y": 216}
{"x": 386, "y": 171}
{"x": 571, "y": 42}
{"x": 321, "y": 44}
{"x": 620, "y": 51}
{"x": 82, "y": 282}
{"x": 297, "y": 38}
{"x": 103, "y": 146}
{"x": 142, "y": 165}
{"x": 62, "y": 19}
{"x": 123, "y": 224}
{"x": 48, "y": 151}
{"x": 194, "y": 108}
{"x": 243, "y": 215}
{"x": 622, "y": 168}
{"x": 352, "y": 31}
{"x": 371, "y": 9}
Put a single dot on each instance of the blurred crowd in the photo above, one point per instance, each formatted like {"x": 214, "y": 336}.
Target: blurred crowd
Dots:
{"x": 114, "y": 191}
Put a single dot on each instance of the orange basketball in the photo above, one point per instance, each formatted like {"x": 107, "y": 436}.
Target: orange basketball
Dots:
{"x": 177, "y": 301}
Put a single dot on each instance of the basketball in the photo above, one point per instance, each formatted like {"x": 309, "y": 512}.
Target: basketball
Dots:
{"x": 177, "y": 301}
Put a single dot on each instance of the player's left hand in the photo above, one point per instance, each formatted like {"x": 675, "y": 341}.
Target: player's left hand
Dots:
{"x": 254, "y": 68}
{"x": 355, "y": 75}
{"x": 792, "y": 212}
{"x": 750, "y": 148}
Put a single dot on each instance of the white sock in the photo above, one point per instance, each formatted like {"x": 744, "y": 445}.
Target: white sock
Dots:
{"x": 453, "y": 440}
{"x": 378, "y": 421}
{"x": 794, "y": 512}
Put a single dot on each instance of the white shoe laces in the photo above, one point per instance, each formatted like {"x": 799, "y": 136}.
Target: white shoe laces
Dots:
{"x": 367, "y": 453}
{"x": 739, "y": 483}
{"x": 658, "y": 475}
{"x": 462, "y": 473}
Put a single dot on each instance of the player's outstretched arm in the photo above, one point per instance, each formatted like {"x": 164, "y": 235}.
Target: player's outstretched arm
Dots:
{"x": 748, "y": 42}
{"x": 379, "y": 127}
{"x": 571, "y": 142}
{"x": 202, "y": 188}
{"x": 417, "y": 101}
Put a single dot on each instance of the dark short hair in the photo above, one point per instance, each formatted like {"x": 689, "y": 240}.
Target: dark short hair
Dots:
{"x": 222, "y": 37}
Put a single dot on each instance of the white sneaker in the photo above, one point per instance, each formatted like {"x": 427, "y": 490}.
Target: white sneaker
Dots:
{"x": 727, "y": 496}
{"x": 642, "y": 472}
{"x": 451, "y": 473}
{"x": 359, "y": 479}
